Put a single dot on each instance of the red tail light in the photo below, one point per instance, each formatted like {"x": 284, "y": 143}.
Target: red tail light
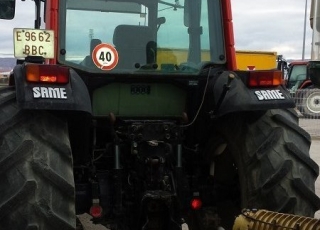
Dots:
{"x": 47, "y": 74}
{"x": 196, "y": 203}
{"x": 96, "y": 211}
{"x": 265, "y": 78}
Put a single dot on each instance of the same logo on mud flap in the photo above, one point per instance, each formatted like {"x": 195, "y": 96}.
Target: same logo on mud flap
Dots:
{"x": 49, "y": 92}
{"x": 60, "y": 93}
{"x": 264, "y": 95}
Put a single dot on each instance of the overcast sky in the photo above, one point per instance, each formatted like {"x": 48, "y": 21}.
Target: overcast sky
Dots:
{"x": 265, "y": 25}
{"x": 272, "y": 25}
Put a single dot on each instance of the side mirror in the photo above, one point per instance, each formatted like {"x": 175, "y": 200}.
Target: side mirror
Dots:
{"x": 7, "y": 9}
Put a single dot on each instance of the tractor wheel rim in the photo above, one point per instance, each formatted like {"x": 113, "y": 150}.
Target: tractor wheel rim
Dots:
{"x": 313, "y": 102}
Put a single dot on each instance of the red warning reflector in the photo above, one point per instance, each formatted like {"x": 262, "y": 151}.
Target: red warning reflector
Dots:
{"x": 251, "y": 67}
{"x": 196, "y": 203}
{"x": 96, "y": 211}
{"x": 47, "y": 73}
{"x": 265, "y": 78}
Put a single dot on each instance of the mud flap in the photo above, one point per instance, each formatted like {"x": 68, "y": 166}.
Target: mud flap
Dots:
{"x": 73, "y": 96}
{"x": 241, "y": 98}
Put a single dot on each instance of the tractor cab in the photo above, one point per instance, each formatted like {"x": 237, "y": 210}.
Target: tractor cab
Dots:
{"x": 147, "y": 36}
{"x": 143, "y": 36}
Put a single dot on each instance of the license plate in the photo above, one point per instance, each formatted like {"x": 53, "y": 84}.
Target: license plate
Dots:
{"x": 33, "y": 42}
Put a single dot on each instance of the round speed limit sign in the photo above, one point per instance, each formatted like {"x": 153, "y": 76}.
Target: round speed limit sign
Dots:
{"x": 105, "y": 56}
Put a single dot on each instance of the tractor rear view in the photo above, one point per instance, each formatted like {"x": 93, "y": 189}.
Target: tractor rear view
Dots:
{"x": 107, "y": 115}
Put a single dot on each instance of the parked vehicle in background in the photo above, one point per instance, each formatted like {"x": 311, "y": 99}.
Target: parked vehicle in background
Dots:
{"x": 297, "y": 77}
{"x": 298, "y": 82}
{"x": 303, "y": 80}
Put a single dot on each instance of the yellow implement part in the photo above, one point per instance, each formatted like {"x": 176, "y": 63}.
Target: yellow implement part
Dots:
{"x": 259, "y": 60}
{"x": 246, "y": 60}
{"x": 268, "y": 220}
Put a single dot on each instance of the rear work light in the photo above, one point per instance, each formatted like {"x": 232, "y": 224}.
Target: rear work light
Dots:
{"x": 265, "y": 78}
{"x": 47, "y": 74}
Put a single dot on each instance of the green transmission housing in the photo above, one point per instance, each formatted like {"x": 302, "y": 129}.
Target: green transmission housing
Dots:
{"x": 139, "y": 100}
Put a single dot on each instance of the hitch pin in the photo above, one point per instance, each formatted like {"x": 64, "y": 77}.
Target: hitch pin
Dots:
{"x": 230, "y": 79}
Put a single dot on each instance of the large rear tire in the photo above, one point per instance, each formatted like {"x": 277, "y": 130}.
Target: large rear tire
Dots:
{"x": 36, "y": 174}
{"x": 271, "y": 153}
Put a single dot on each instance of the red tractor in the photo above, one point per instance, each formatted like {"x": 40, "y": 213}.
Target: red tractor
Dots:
{"x": 303, "y": 76}
{"x": 297, "y": 76}
{"x": 107, "y": 115}
{"x": 306, "y": 95}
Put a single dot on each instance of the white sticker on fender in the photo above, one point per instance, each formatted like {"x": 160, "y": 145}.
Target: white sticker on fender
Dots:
{"x": 269, "y": 95}
{"x": 49, "y": 92}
